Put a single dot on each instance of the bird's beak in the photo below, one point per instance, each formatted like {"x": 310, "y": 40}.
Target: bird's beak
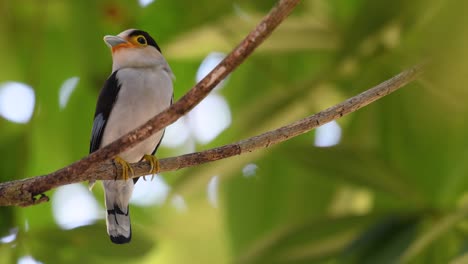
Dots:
{"x": 113, "y": 41}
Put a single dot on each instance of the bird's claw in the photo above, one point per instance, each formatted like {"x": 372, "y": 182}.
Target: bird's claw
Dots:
{"x": 154, "y": 163}
{"x": 125, "y": 167}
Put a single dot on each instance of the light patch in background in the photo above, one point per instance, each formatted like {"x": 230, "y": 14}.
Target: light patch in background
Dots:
{"x": 208, "y": 64}
{"x": 73, "y": 206}
{"x": 179, "y": 204}
{"x": 212, "y": 191}
{"x": 350, "y": 200}
{"x": 66, "y": 90}
{"x": 208, "y": 119}
{"x": 10, "y": 237}
{"x": 176, "y": 134}
{"x": 16, "y": 102}
{"x": 28, "y": 260}
{"x": 249, "y": 170}
{"x": 241, "y": 13}
{"x": 148, "y": 192}
{"x": 145, "y": 3}
{"x": 328, "y": 135}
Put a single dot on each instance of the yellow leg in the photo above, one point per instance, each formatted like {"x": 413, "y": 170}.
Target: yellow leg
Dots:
{"x": 125, "y": 167}
{"x": 154, "y": 162}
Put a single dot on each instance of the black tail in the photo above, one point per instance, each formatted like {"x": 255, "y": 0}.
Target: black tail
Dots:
{"x": 118, "y": 225}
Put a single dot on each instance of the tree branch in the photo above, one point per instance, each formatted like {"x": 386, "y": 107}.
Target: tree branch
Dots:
{"x": 108, "y": 171}
{"x": 24, "y": 192}
{"x": 20, "y": 192}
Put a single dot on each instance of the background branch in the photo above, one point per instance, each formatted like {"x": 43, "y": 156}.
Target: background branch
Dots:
{"x": 20, "y": 192}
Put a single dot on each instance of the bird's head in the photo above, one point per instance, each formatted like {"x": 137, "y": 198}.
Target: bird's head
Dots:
{"x": 134, "y": 48}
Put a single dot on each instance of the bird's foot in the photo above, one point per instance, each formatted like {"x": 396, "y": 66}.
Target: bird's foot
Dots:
{"x": 126, "y": 168}
{"x": 154, "y": 163}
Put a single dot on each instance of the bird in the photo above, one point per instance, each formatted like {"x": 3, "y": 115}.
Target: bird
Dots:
{"x": 139, "y": 87}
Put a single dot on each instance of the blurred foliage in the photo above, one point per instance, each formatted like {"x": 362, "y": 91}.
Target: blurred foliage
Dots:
{"x": 393, "y": 190}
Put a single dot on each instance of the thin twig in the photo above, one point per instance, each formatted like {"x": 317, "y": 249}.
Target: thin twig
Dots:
{"x": 12, "y": 193}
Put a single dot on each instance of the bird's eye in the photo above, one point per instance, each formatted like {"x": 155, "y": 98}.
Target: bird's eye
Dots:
{"x": 141, "y": 40}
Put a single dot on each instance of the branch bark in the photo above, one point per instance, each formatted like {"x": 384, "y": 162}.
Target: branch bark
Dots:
{"x": 20, "y": 192}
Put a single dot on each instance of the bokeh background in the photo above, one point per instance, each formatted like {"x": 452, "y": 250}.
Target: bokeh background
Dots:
{"x": 386, "y": 184}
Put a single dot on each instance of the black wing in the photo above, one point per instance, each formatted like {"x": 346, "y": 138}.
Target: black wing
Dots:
{"x": 104, "y": 105}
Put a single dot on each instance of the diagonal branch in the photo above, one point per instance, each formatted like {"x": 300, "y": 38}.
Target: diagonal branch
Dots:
{"x": 19, "y": 192}
{"x": 24, "y": 193}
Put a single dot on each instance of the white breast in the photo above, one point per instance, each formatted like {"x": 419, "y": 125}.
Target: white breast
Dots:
{"x": 144, "y": 92}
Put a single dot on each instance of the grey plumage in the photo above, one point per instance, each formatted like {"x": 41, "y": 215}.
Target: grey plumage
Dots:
{"x": 139, "y": 88}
